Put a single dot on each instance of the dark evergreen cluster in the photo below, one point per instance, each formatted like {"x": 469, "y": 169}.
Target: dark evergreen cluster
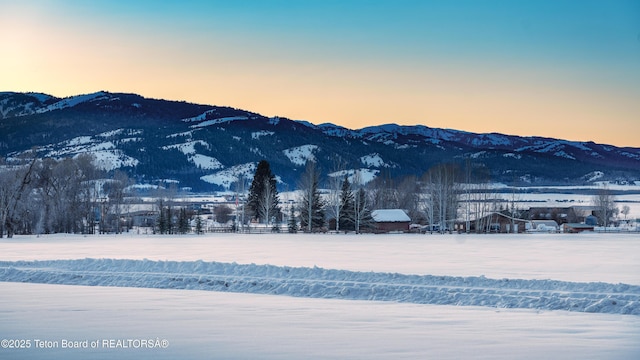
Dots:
{"x": 347, "y": 207}
{"x": 263, "y": 201}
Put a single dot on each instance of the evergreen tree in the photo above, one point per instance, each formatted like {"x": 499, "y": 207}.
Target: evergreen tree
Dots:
{"x": 199, "y": 229}
{"x": 183, "y": 222}
{"x": 169, "y": 220}
{"x": 311, "y": 205}
{"x": 263, "y": 199}
{"x": 346, "y": 217}
{"x": 293, "y": 224}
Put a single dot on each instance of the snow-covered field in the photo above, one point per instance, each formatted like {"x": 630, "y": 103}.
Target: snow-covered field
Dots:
{"x": 322, "y": 296}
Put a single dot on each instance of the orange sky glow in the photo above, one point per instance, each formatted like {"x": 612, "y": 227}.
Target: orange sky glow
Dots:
{"x": 348, "y": 77}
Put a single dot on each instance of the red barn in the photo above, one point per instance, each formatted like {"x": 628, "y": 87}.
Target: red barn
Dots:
{"x": 390, "y": 220}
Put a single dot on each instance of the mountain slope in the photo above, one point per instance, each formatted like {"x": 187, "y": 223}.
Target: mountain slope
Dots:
{"x": 207, "y": 147}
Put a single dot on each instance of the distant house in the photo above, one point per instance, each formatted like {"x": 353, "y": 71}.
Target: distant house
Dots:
{"x": 390, "y": 220}
{"x": 561, "y": 215}
{"x": 144, "y": 218}
{"x": 573, "y": 228}
{"x": 544, "y": 226}
{"x": 495, "y": 222}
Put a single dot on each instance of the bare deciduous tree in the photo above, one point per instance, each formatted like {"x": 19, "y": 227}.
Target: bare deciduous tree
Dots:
{"x": 442, "y": 189}
{"x": 335, "y": 180}
{"x": 409, "y": 198}
{"x": 625, "y": 211}
{"x": 14, "y": 186}
{"x": 267, "y": 207}
{"x": 604, "y": 202}
{"x": 311, "y": 205}
{"x": 361, "y": 205}
{"x": 383, "y": 193}
{"x": 116, "y": 191}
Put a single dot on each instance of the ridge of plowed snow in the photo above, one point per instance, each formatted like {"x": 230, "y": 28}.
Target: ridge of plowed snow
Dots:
{"x": 327, "y": 283}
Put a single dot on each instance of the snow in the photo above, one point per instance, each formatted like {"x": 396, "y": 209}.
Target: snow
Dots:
{"x": 80, "y": 140}
{"x": 563, "y": 154}
{"x": 285, "y": 296}
{"x": 390, "y": 215}
{"x": 631, "y": 155}
{"x": 608, "y": 258}
{"x": 301, "y": 154}
{"x": 257, "y": 151}
{"x": 274, "y": 120}
{"x": 405, "y": 146}
{"x": 593, "y": 176}
{"x": 258, "y": 134}
{"x": 202, "y": 161}
{"x": 335, "y": 130}
{"x": 381, "y": 131}
{"x": 106, "y": 145}
{"x": 73, "y": 101}
{"x": 111, "y": 133}
{"x": 373, "y": 160}
{"x": 128, "y": 140}
{"x": 187, "y": 134}
{"x": 188, "y": 148}
{"x": 218, "y": 121}
{"x": 512, "y": 155}
{"x": 306, "y": 123}
{"x": 363, "y": 175}
{"x": 334, "y": 284}
{"x": 41, "y": 97}
{"x": 205, "y": 162}
{"x": 554, "y": 146}
{"x": 229, "y": 176}
{"x": 201, "y": 117}
{"x": 107, "y": 156}
{"x": 240, "y": 326}
{"x": 478, "y": 154}
{"x": 491, "y": 140}
{"x": 112, "y": 159}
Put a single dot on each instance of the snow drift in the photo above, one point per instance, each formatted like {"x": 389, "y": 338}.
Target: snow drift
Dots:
{"x": 317, "y": 282}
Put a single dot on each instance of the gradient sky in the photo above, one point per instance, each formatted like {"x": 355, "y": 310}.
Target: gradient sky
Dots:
{"x": 565, "y": 69}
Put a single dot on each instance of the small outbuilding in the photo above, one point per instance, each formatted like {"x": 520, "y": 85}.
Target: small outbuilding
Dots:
{"x": 390, "y": 220}
{"x": 495, "y": 222}
{"x": 577, "y": 228}
{"x": 544, "y": 226}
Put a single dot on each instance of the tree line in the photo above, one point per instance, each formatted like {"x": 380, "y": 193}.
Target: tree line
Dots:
{"x": 346, "y": 201}
{"x": 72, "y": 195}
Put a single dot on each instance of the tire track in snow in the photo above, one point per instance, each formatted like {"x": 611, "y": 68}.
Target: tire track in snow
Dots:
{"x": 328, "y": 283}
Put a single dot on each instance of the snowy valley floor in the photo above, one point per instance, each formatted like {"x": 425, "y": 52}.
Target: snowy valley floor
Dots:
{"x": 322, "y": 296}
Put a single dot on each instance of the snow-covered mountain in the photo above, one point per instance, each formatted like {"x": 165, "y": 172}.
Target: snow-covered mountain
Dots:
{"x": 207, "y": 147}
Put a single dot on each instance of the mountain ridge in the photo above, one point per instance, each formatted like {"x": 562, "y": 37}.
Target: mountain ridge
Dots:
{"x": 207, "y": 146}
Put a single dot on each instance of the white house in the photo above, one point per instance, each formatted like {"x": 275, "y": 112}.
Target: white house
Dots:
{"x": 544, "y": 226}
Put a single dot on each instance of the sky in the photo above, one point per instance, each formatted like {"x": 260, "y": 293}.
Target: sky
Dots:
{"x": 566, "y": 69}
